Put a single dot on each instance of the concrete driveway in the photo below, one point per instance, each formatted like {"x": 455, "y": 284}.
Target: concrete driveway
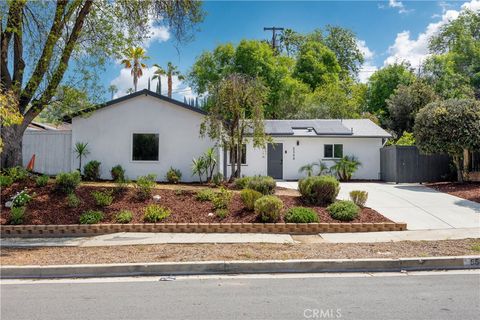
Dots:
{"x": 420, "y": 207}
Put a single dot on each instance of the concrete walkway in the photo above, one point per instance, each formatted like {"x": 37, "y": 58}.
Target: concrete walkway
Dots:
{"x": 422, "y": 208}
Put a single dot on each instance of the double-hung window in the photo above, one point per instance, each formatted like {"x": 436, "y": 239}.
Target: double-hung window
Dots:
{"x": 145, "y": 147}
{"x": 333, "y": 151}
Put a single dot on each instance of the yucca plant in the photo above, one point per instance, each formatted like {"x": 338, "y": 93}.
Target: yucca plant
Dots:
{"x": 210, "y": 162}
{"x": 346, "y": 167}
{"x": 199, "y": 167}
{"x": 81, "y": 150}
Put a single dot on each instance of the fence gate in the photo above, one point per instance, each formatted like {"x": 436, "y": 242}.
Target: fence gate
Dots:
{"x": 403, "y": 164}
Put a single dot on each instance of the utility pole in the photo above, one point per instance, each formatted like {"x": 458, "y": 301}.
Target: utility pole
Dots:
{"x": 274, "y": 35}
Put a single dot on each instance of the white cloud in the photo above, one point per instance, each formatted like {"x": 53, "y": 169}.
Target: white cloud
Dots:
{"x": 124, "y": 81}
{"x": 415, "y": 51}
{"x": 157, "y": 34}
{"x": 368, "y": 67}
{"x": 398, "y": 5}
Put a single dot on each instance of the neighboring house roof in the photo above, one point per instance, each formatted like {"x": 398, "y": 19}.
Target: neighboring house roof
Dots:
{"x": 37, "y": 126}
{"x": 325, "y": 127}
{"x": 145, "y": 92}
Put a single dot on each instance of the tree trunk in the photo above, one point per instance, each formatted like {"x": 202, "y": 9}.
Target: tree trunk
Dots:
{"x": 458, "y": 166}
{"x": 12, "y": 146}
{"x": 239, "y": 160}
{"x": 170, "y": 86}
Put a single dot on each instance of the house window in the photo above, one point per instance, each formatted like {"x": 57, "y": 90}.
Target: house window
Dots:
{"x": 145, "y": 147}
{"x": 244, "y": 154}
{"x": 333, "y": 151}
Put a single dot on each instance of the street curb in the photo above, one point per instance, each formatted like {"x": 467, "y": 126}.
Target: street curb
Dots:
{"x": 241, "y": 267}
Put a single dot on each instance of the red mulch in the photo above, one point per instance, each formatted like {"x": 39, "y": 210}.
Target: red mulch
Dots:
{"x": 466, "y": 190}
{"x": 50, "y": 207}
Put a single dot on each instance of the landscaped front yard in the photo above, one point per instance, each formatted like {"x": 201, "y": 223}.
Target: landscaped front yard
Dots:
{"x": 468, "y": 190}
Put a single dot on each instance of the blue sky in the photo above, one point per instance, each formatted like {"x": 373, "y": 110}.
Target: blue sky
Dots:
{"x": 388, "y": 31}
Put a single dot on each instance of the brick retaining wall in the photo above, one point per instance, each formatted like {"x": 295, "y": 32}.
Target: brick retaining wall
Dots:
{"x": 288, "y": 228}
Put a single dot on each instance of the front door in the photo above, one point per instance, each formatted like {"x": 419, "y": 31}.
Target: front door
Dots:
{"x": 275, "y": 160}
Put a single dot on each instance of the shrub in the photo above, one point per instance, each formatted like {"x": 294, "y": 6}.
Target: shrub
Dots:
{"x": 319, "y": 190}
{"x": 144, "y": 186}
{"x": 17, "y": 173}
{"x": 263, "y": 184}
{"x": 73, "y": 201}
{"x": 173, "y": 175}
{"x": 249, "y": 197}
{"x": 301, "y": 215}
{"x": 205, "y": 195}
{"x": 221, "y": 213}
{"x": 91, "y": 217}
{"x": 103, "y": 198}
{"x": 67, "y": 182}
{"x": 41, "y": 181}
{"x": 180, "y": 192}
{"x": 117, "y": 173}
{"x": 217, "y": 178}
{"x": 343, "y": 210}
{"x": 359, "y": 197}
{"x": 221, "y": 200}
{"x": 17, "y": 214}
{"x": 91, "y": 171}
{"x": 241, "y": 183}
{"x": 124, "y": 216}
{"x": 21, "y": 198}
{"x": 121, "y": 186}
{"x": 155, "y": 213}
{"x": 346, "y": 167}
{"x": 5, "y": 181}
{"x": 268, "y": 208}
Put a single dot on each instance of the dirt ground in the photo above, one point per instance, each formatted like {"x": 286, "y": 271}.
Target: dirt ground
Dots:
{"x": 212, "y": 252}
{"x": 467, "y": 190}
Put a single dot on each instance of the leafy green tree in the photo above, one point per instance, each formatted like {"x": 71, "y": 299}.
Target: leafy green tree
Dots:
{"x": 450, "y": 127}
{"x": 404, "y": 104}
{"x": 133, "y": 60}
{"x": 382, "y": 85}
{"x": 42, "y": 40}
{"x": 291, "y": 41}
{"x": 316, "y": 65}
{"x": 236, "y": 110}
{"x": 407, "y": 139}
{"x": 9, "y": 114}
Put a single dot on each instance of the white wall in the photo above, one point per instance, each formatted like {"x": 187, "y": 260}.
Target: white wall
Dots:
{"x": 52, "y": 150}
{"x": 108, "y": 132}
{"x": 367, "y": 151}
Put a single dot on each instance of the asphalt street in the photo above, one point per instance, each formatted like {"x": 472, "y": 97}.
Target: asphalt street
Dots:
{"x": 432, "y": 295}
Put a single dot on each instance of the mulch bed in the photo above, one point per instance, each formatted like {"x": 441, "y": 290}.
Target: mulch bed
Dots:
{"x": 49, "y": 207}
{"x": 467, "y": 190}
{"x": 245, "y": 251}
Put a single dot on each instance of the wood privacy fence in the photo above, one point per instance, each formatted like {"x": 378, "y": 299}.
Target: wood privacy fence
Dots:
{"x": 52, "y": 150}
{"x": 404, "y": 164}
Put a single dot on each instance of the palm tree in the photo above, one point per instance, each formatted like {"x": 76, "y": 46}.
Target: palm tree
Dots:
{"x": 157, "y": 74}
{"x": 346, "y": 167}
{"x": 170, "y": 73}
{"x": 132, "y": 60}
{"x": 308, "y": 169}
{"x": 129, "y": 91}
{"x": 81, "y": 150}
{"x": 113, "y": 89}
{"x": 322, "y": 167}
{"x": 199, "y": 167}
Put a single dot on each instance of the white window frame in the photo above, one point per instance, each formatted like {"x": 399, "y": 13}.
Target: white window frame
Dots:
{"x": 333, "y": 150}
{"x": 131, "y": 146}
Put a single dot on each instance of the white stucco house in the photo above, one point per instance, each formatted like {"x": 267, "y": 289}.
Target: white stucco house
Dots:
{"x": 148, "y": 133}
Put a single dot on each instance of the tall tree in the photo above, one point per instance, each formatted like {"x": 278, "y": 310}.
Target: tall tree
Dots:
{"x": 112, "y": 89}
{"x": 133, "y": 58}
{"x": 291, "y": 41}
{"x": 235, "y": 115}
{"x": 39, "y": 40}
{"x": 172, "y": 71}
{"x": 157, "y": 74}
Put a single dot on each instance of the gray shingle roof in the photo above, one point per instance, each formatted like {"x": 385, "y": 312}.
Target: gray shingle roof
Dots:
{"x": 326, "y": 127}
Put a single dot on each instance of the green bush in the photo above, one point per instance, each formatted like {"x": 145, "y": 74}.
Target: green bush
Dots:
{"x": 103, "y": 198}
{"x": 21, "y": 198}
{"x": 319, "y": 190}
{"x": 121, "y": 186}
{"x": 73, "y": 201}
{"x": 17, "y": 173}
{"x": 155, "y": 213}
{"x": 117, "y": 173}
{"x": 221, "y": 200}
{"x": 173, "y": 175}
{"x": 343, "y": 210}
{"x": 301, "y": 215}
{"x": 249, "y": 197}
{"x": 268, "y": 208}
{"x": 144, "y": 186}
{"x": 359, "y": 197}
{"x": 346, "y": 167}
{"x": 263, "y": 184}
{"x": 41, "y": 181}
{"x": 91, "y": 217}
{"x": 221, "y": 213}
{"x": 91, "y": 171}
{"x": 17, "y": 214}
{"x": 205, "y": 195}
{"x": 124, "y": 216}
{"x": 67, "y": 182}
{"x": 217, "y": 178}
{"x": 5, "y": 181}
{"x": 241, "y": 183}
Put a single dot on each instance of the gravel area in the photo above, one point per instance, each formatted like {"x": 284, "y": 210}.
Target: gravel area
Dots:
{"x": 211, "y": 252}
{"x": 467, "y": 190}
